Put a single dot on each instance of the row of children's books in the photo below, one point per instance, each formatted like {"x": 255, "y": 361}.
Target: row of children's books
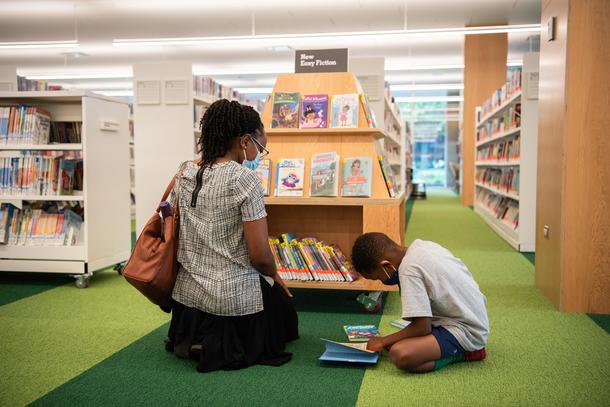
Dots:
{"x": 32, "y": 125}
{"x": 505, "y": 150}
{"x": 500, "y": 96}
{"x": 511, "y": 119}
{"x": 309, "y": 259}
{"x": 24, "y": 84}
{"x": 502, "y": 179}
{"x": 24, "y": 125}
{"x": 293, "y": 110}
{"x": 37, "y": 225}
{"x": 504, "y": 209}
{"x": 41, "y": 173}
{"x": 326, "y": 179}
{"x": 204, "y": 85}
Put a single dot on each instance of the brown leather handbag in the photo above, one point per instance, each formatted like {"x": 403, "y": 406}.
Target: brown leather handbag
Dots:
{"x": 153, "y": 265}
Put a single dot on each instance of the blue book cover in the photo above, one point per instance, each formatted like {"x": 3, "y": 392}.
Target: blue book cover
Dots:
{"x": 348, "y": 353}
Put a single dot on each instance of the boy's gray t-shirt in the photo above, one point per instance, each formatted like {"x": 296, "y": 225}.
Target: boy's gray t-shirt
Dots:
{"x": 434, "y": 283}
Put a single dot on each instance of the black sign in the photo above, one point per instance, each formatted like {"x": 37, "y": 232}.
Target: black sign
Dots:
{"x": 320, "y": 60}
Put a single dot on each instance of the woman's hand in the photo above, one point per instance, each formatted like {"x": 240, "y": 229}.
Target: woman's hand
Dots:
{"x": 278, "y": 280}
{"x": 375, "y": 344}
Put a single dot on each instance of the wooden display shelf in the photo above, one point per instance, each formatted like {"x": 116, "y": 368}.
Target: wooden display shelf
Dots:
{"x": 361, "y": 284}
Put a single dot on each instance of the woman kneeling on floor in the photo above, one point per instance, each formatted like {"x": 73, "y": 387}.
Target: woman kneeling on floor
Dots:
{"x": 232, "y": 309}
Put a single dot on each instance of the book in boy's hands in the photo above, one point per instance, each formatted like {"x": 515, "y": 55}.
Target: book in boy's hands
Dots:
{"x": 345, "y": 110}
{"x": 324, "y": 179}
{"x": 357, "y": 175}
{"x": 285, "y": 110}
{"x": 289, "y": 177}
{"x": 360, "y": 333}
{"x": 348, "y": 352}
{"x": 263, "y": 172}
{"x": 400, "y": 323}
{"x": 314, "y": 111}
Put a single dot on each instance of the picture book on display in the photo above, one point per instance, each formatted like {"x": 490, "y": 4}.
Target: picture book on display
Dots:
{"x": 345, "y": 110}
{"x": 360, "y": 333}
{"x": 348, "y": 353}
{"x": 263, "y": 172}
{"x": 324, "y": 174}
{"x": 386, "y": 170}
{"x": 357, "y": 176}
{"x": 314, "y": 111}
{"x": 289, "y": 177}
{"x": 285, "y": 110}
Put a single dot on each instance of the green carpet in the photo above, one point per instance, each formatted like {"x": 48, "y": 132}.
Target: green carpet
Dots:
{"x": 49, "y": 338}
{"x": 15, "y": 286}
{"x": 536, "y": 355}
{"x": 144, "y": 374}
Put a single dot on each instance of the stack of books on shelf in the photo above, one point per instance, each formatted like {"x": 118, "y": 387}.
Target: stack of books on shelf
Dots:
{"x": 309, "y": 259}
{"x": 511, "y": 119}
{"x": 40, "y": 224}
{"x": 329, "y": 176}
{"x": 32, "y": 125}
{"x": 502, "y": 208}
{"x": 46, "y": 173}
{"x": 24, "y": 84}
{"x": 503, "y": 180}
{"x": 506, "y": 150}
{"x": 499, "y": 97}
{"x": 65, "y": 132}
{"x": 206, "y": 86}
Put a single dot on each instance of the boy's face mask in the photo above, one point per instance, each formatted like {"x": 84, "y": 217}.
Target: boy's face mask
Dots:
{"x": 392, "y": 280}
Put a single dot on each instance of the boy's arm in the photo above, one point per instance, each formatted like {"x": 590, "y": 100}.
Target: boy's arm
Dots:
{"x": 420, "y": 326}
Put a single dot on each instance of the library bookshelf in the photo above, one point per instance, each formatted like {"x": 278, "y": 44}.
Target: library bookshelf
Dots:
{"x": 522, "y": 237}
{"x": 105, "y": 235}
{"x": 338, "y": 220}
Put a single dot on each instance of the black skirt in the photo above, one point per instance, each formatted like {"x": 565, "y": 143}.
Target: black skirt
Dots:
{"x": 235, "y": 342}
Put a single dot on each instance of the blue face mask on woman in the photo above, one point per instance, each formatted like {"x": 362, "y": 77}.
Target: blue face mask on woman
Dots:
{"x": 391, "y": 280}
{"x": 251, "y": 164}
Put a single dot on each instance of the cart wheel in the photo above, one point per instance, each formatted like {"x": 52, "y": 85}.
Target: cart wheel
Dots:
{"x": 119, "y": 268}
{"x": 82, "y": 281}
{"x": 373, "y": 310}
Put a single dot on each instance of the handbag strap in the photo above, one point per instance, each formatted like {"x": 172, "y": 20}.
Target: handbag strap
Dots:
{"x": 169, "y": 188}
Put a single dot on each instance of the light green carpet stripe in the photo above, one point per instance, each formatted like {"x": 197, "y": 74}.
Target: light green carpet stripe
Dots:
{"x": 536, "y": 355}
{"x": 49, "y": 338}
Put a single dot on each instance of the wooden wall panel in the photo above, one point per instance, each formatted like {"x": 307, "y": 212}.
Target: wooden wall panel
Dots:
{"x": 551, "y": 133}
{"x": 484, "y": 72}
{"x": 586, "y": 274}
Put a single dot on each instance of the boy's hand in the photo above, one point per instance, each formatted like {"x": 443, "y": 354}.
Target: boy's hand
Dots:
{"x": 375, "y": 344}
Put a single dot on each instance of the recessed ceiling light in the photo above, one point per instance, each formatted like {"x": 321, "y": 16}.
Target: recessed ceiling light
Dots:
{"x": 38, "y": 44}
{"x": 75, "y": 55}
{"x": 279, "y": 48}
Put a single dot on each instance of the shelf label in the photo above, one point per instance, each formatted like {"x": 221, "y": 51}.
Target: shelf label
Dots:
{"x": 320, "y": 60}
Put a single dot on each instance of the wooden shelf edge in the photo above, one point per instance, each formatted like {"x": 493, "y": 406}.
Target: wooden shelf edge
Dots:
{"x": 499, "y": 136}
{"x": 332, "y": 201}
{"x": 358, "y": 285}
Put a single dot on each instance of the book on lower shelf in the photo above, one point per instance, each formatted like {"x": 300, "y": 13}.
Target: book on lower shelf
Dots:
{"x": 504, "y": 209}
{"x": 263, "y": 172}
{"x": 388, "y": 176}
{"x": 348, "y": 352}
{"x": 309, "y": 259}
{"x": 357, "y": 176}
{"x": 40, "y": 224}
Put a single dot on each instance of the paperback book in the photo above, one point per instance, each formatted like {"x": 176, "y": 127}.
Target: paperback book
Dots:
{"x": 345, "y": 110}
{"x": 348, "y": 353}
{"x": 263, "y": 172}
{"x": 357, "y": 176}
{"x": 289, "y": 177}
{"x": 314, "y": 111}
{"x": 400, "y": 323}
{"x": 285, "y": 110}
{"x": 324, "y": 174}
{"x": 360, "y": 333}
{"x": 386, "y": 170}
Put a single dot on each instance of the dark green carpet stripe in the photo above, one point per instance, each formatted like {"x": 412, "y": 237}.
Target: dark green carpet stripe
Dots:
{"x": 603, "y": 321}
{"x": 531, "y": 257}
{"x": 16, "y": 286}
{"x": 144, "y": 374}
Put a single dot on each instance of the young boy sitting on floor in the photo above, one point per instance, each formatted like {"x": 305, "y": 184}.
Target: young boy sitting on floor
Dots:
{"x": 439, "y": 296}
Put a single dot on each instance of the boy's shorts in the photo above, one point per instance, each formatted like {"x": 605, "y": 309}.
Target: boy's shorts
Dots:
{"x": 451, "y": 350}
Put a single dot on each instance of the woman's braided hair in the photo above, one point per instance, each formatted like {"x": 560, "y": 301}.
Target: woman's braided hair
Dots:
{"x": 223, "y": 122}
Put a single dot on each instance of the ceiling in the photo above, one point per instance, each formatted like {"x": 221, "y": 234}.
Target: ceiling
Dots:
{"x": 96, "y": 23}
